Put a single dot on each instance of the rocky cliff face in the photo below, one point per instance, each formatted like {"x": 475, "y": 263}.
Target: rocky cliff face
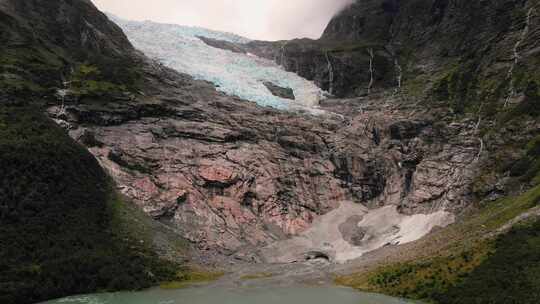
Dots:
{"x": 231, "y": 176}
{"x": 486, "y": 50}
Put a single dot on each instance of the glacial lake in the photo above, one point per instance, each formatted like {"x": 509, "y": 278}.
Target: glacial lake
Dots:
{"x": 256, "y": 295}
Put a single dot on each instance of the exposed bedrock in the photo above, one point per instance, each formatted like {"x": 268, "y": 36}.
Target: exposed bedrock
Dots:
{"x": 236, "y": 179}
{"x": 231, "y": 176}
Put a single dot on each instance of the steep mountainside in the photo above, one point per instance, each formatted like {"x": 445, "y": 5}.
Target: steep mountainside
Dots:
{"x": 441, "y": 126}
{"x": 460, "y": 51}
{"x": 41, "y": 42}
{"x": 63, "y": 228}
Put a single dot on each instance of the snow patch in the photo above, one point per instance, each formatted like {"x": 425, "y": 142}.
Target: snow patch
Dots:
{"x": 374, "y": 229}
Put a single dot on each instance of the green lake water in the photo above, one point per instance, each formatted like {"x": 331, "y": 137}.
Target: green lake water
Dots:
{"x": 258, "y": 295}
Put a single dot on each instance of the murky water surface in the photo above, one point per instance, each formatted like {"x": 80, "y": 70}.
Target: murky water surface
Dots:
{"x": 259, "y": 295}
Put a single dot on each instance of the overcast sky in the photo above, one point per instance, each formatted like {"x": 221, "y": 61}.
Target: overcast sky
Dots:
{"x": 256, "y": 19}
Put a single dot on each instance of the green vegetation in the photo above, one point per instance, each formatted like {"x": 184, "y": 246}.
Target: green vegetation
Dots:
{"x": 519, "y": 159}
{"x": 63, "y": 231}
{"x": 465, "y": 85}
{"x": 509, "y": 275}
{"x": 351, "y": 47}
{"x": 416, "y": 86}
{"x": 507, "y": 265}
{"x": 423, "y": 279}
{"x": 456, "y": 85}
{"x": 33, "y": 71}
{"x": 530, "y": 106}
{"x": 13, "y": 84}
{"x": 188, "y": 277}
{"x": 28, "y": 71}
{"x": 527, "y": 168}
{"x": 256, "y": 276}
{"x": 87, "y": 80}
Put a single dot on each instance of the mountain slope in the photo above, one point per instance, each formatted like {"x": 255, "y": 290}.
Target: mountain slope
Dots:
{"x": 235, "y": 178}
{"x": 42, "y": 42}
{"x": 462, "y": 52}
{"x": 63, "y": 229}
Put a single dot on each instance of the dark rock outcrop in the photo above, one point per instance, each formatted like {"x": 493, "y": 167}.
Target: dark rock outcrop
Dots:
{"x": 282, "y": 92}
{"x": 224, "y": 45}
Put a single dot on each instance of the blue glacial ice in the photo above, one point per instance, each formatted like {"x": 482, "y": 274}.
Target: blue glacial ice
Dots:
{"x": 235, "y": 74}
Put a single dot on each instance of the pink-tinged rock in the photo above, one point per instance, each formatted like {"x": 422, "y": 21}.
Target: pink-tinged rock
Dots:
{"x": 174, "y": 196}
{"x": 145, "y": 189}
{"x": 233, "y": 212}
{"x": 252, "y": 175}
{"x": 215, "y": 174}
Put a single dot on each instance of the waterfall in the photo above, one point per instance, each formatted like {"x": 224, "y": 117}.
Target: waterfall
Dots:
{"x": 63, "y": 93}
{"x": 516, "y": 56}
{"x": 283, "y": 54}
{"x": 397, "y": 67}
{"x": 330, "y": 74}
{"x": 399, "y": 73}
{"x": 371, "y": 69}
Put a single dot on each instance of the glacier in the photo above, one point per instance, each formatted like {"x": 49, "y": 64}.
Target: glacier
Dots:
{"x": 236, "y": 74}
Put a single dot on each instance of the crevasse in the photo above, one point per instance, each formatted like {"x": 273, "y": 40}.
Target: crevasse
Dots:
{"x": 235, "y": 74}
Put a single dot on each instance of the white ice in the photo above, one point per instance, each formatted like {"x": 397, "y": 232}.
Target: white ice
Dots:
{"x": 382, "y": 227}
{"x": 235, "y": 74}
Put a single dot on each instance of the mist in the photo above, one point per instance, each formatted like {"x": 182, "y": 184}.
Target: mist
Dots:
{"x": 255, "y": 19}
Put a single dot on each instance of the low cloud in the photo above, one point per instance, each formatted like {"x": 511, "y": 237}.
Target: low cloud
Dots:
{"x": 256, "y": 19}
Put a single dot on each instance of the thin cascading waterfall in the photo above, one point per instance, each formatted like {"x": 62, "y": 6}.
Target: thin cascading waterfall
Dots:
{"x": 63, "y": 94}
{"x": 371, "y": 70}
{"x": 330, "y": 75}
{"x": 398, "y": 71}
{"x": 282, "y": 59}
{"x": 393, "y": 31}
{"x": 62, "y": 111}
{"x": 516, "y": 56}
{"x": 399, "y": 74}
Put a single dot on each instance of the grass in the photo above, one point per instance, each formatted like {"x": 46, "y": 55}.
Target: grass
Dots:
{"x": 190, "y": 277}
{"x": 257, "y": 276}
{"x": 509, "y": 275}
{"x": 88, "y": 80}
{"x": 464, "y": 260}
{"x": 422, "y": 279}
